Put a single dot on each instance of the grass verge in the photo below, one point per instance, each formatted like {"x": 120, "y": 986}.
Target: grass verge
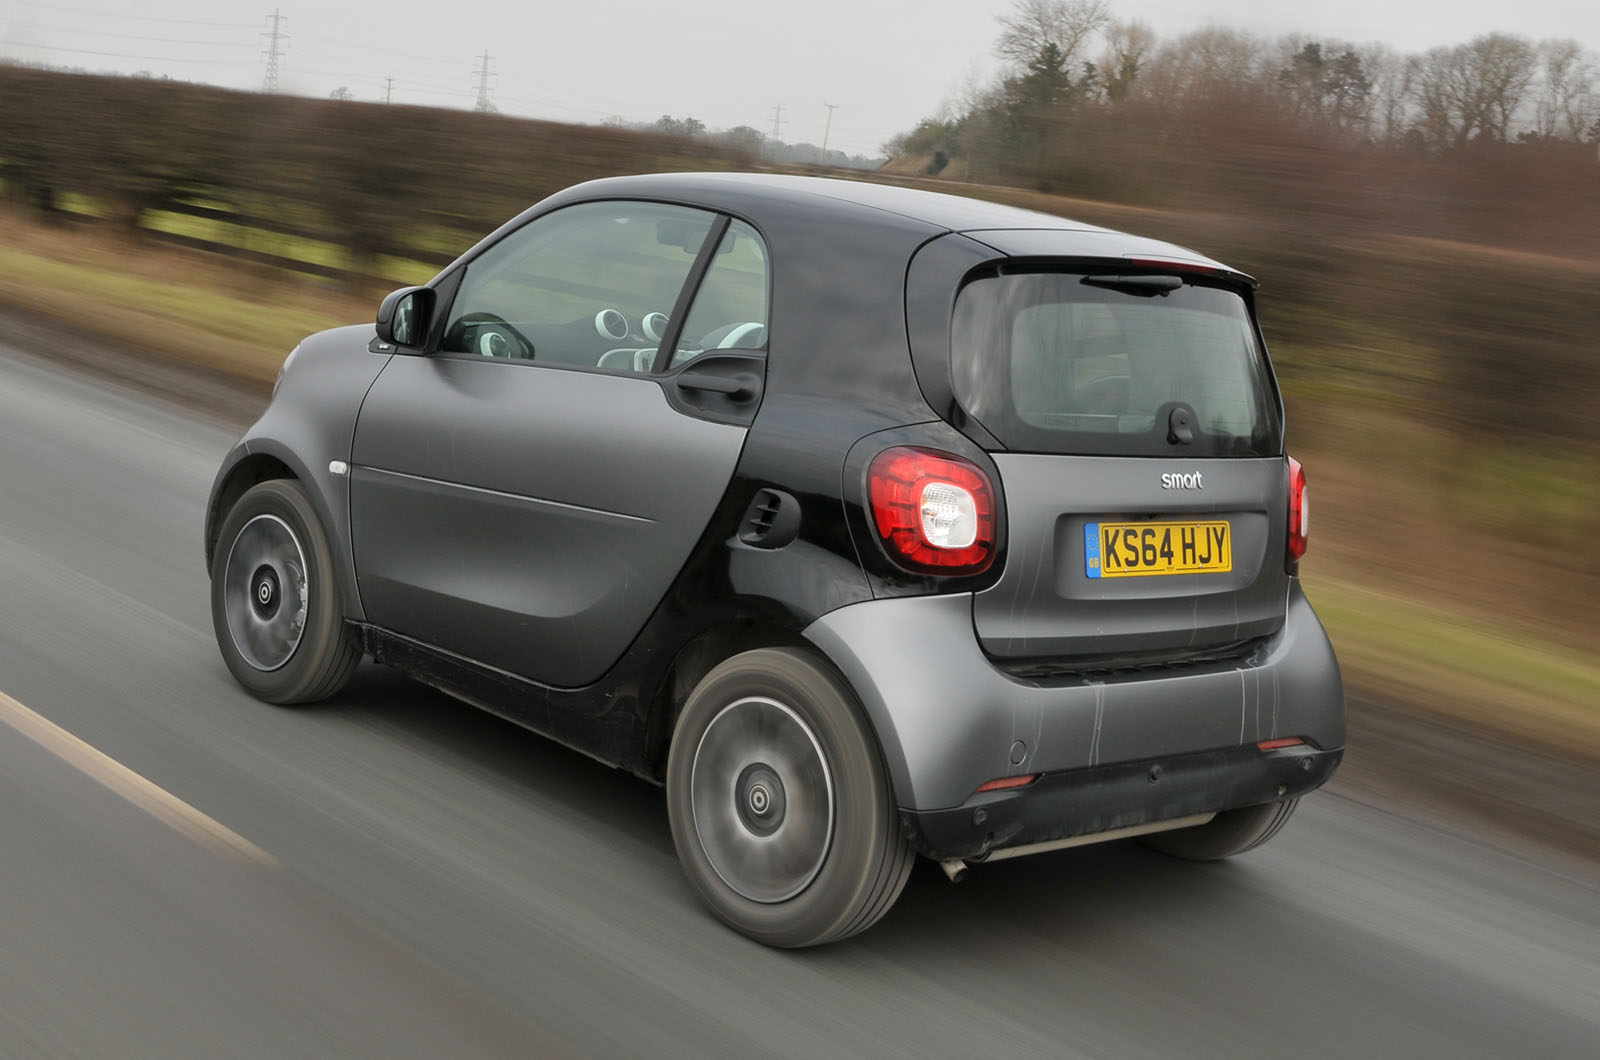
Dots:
{"x": 169, "y": 304}
{"x": 1506, "y": 683}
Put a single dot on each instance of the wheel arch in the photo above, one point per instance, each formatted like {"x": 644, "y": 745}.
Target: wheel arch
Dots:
{"x": 698, "y": 657}
{"x": 260, "y": 458}
{"x": 249, "y": 471}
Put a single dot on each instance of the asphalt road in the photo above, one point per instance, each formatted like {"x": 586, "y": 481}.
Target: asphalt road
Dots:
{"x": 396, "y": 874}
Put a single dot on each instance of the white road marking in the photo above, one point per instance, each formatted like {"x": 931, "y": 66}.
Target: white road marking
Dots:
{"x": 148, "y": 796}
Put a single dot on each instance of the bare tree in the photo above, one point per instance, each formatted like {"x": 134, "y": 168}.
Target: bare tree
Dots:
{"x": 1506, "y": 65}
{"x": 1567, "y": 95}
{"x": 1128, "y": 49}
{"x": 1204, "y": 64}
{"x": 1475, "y": 89}
{"x": 1390, "y": 105}
{"x": 1037, "y": 25}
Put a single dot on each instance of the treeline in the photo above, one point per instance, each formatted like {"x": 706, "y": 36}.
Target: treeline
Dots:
{"x": 1447, "y": 140}
{"x": 748, "y": 140}
{"x": 369, "y": 178}
{"x": 1427, "y": 228}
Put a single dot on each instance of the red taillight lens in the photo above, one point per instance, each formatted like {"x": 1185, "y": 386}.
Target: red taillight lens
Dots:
{"x": 933, "y": 512}
{"x": 1299, "y": 512}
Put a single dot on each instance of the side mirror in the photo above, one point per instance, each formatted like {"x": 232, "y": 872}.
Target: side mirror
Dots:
{"x": 404, "y": 316}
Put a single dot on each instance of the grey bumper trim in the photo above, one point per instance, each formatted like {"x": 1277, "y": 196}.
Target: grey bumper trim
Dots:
{"x": 949, "y": 721}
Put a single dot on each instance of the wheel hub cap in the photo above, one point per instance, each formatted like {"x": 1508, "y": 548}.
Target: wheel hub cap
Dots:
{"x": 264, "y": 592}
{"x": 759, "y": 797}
{"x": 762, "y": 799}
{"x": 267, "y": 595}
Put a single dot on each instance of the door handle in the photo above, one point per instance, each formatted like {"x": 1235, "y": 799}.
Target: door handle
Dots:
{"x": 740, "y": 387}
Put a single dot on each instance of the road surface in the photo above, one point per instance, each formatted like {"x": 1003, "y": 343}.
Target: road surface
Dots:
{"x": 396, "y": 874}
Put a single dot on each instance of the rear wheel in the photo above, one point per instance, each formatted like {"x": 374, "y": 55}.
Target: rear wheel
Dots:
{"x": 1228, "y": 833}
{"x": 275, "y": 602}
{"x": 780, "y": 806}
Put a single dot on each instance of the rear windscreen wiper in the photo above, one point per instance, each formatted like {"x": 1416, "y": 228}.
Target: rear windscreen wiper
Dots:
{"x": 1145, "y": 284}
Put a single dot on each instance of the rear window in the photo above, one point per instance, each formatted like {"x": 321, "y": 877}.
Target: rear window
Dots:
{"x": 1057, "y": 362}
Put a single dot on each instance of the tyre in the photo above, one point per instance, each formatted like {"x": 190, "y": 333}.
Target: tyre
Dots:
{"x": 1228, "y": 833}
{"x": 781, "y": 808}
{"x": 275, "y": 600}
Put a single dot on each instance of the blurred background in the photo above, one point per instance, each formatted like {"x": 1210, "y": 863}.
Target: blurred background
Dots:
{"x": 1426, "y": 226}
{"x": 1425, "y": 222}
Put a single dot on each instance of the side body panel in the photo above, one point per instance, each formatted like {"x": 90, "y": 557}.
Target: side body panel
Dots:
{"x": 310, "y": 423}
{"x": 838, "y": 369}
{"x": 528, "y": 517}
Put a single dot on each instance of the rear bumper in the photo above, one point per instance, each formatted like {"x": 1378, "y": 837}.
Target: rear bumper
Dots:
{"x": 949, "y": 721}
{"x": 1086, "y": 802}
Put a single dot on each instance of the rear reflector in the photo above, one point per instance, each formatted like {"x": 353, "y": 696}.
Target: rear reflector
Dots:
{"x": 1009, "y": 782}
{"x": 934, "y": 512}
{"x": 1275, "y": 745}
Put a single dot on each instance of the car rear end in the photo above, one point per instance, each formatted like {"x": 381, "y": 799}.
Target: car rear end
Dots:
{"x": 1108, "y": 636}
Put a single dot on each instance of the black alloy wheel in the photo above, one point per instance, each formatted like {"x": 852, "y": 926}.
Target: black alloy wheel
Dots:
{"x": 275, "y": 601}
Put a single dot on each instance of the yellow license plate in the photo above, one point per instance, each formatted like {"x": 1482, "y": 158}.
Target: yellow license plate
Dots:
{"x": 1132, "y": 550}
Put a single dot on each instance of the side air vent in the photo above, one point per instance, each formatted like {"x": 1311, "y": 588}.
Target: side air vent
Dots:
{"x": 771, "y": 521}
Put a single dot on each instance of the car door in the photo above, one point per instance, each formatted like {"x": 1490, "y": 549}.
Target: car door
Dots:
{"x": 526, "y": 486}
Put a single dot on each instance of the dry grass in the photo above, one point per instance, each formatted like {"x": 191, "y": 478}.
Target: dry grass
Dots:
{"x": 1509, "y": 682}
{"x": 172, "y": 304}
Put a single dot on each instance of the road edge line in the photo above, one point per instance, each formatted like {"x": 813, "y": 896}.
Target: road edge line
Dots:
{"x": 148, "y": 796}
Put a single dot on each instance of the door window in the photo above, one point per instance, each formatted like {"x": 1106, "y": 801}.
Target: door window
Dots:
{"x": 589, "y": 285}
{"x": 730, "y": 309}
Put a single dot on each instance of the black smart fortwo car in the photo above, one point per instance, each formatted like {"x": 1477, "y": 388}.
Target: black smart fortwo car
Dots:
{"x": 871, "y": 522}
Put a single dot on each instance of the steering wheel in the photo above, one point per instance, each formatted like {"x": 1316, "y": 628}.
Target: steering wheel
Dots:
{"x": 497, "y": 338}
{"x": 750, "y": 335}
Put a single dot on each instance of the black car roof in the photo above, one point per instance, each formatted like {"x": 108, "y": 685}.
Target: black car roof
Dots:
{"x": 1011, "y": 231}
{"x": 955, "y": 213}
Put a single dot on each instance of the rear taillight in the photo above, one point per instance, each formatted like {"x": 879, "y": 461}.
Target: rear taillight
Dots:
{"x": 1299, "y": 514}
{"x": 933, "y": 512}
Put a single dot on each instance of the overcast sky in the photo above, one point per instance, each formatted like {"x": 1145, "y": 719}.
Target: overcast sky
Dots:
{"x": 727, "y": 62}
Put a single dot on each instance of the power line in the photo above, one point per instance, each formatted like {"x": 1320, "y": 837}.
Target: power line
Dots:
{"x": 389, "y": 53}
{"x": 236, "y": 43}
{"x": 123, "y": 55}
{"x": 100, "y": 13}
{"x": 388, "y": 89}
{"x": 274, "y": 38}
{"x": 827, "y": 128}
{"x": 777, "y": 122}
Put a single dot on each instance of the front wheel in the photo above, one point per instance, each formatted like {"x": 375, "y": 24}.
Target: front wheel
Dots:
{"x": 275, "y": 602}
{"x": 1228, "y": 833}
{"x": 780, "y": 806}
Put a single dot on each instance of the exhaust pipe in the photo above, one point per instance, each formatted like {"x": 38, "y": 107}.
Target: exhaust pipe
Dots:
{"x": 954, "y": 868}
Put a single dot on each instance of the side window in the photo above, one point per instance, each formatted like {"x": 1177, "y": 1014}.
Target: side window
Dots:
{"x": 730, "y": 309}
{"x": 588, "y": 285}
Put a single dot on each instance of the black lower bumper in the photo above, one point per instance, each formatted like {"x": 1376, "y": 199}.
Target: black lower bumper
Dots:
{"x": 1102, "y": 798}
